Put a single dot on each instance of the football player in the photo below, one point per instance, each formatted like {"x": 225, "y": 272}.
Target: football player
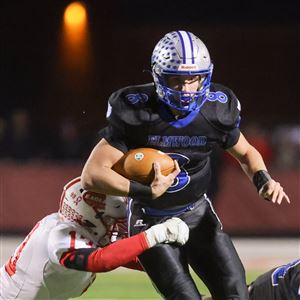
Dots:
{"x": 60, "y": 256}
{"x": 184, "y": 114}
{"x": 281, "y": 283}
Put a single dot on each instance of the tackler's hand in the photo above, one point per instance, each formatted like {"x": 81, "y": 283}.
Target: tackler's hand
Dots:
{"x": 273, "y": 191}
{"x": 160, "y": 182}
{"x": 177, "y": 231}
{"x": 173, "y": 230}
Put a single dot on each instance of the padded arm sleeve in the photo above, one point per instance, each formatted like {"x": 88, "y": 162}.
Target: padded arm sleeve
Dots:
{"x": 134, "y": 265}
{"x": 108, "y": 258}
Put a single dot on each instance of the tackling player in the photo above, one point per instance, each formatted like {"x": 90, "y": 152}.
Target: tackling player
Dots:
{"x": 60, "y": 256}
{"x": 184, "y": 114}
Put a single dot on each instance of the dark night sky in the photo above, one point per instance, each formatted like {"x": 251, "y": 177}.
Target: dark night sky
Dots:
{"x": 254, "y": 45}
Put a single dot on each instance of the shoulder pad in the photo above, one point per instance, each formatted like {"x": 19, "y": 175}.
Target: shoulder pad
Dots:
{"x": 130, "y": 104}
{"x": 222, "y": 108}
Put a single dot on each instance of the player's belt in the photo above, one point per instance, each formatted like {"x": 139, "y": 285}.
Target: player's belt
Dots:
{"x": 153, "y": 212}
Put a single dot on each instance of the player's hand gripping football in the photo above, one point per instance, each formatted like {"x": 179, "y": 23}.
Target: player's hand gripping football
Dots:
{"x": 273, "y": 191}
{"x": 160, "y": 182}
{"x": 173, "y": 230}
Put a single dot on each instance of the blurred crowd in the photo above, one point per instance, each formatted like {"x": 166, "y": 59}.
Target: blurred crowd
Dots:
{"x": 21, "y": 140}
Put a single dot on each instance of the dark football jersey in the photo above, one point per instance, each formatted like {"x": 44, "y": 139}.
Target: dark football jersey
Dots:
{"x": 138, "y": 119}
{"x": 282, "y": 283}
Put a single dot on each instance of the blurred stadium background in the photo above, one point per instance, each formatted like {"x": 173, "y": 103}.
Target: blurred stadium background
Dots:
{"x": 57, "y": 72}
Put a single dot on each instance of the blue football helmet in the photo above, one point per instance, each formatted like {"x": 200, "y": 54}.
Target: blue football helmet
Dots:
{"x": 181, "y": 53}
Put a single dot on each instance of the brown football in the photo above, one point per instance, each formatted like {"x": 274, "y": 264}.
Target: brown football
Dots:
{"x": 137, "y": 164}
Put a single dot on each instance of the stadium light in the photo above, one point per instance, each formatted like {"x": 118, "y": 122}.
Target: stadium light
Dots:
{"x": 75, "y": 15}
{"x": 76, "y": 49}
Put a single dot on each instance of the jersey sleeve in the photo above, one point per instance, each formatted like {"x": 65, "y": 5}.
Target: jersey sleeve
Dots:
{"x": 128, "y": 110}
{"x": 64, "y": 238}
{"x": 222, "y": 110}
{"x": 229, "y": 117}
{"x": 115, "y": 132}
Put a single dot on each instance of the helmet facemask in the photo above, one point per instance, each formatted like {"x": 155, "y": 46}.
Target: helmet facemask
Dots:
{"x": 181, "y": 53}
{"x": 183, "y": 101}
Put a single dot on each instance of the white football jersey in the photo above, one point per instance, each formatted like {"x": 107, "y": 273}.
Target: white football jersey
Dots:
{"x": 34, "y": 271}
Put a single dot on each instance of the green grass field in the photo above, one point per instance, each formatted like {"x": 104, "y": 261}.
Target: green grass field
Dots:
{"x": 132, "y": 285}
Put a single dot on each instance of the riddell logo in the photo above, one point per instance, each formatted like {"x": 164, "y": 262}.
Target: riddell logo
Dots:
{"x": 187, "y": 67}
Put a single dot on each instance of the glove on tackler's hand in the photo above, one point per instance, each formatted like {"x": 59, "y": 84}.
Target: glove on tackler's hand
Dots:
{"x": 172, "y": 230}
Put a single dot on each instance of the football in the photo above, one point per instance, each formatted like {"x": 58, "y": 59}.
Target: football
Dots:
{"x": 137, "y": 164}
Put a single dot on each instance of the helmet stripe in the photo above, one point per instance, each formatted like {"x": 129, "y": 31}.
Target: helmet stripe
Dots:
{"x": 187, "y": 46}
{"x": 182, "y": 44}
{"x": 192, "y": 48}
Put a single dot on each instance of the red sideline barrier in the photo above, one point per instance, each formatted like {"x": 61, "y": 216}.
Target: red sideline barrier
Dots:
{"x": 242, "y": 211}
{"x": 29, "y": 192}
